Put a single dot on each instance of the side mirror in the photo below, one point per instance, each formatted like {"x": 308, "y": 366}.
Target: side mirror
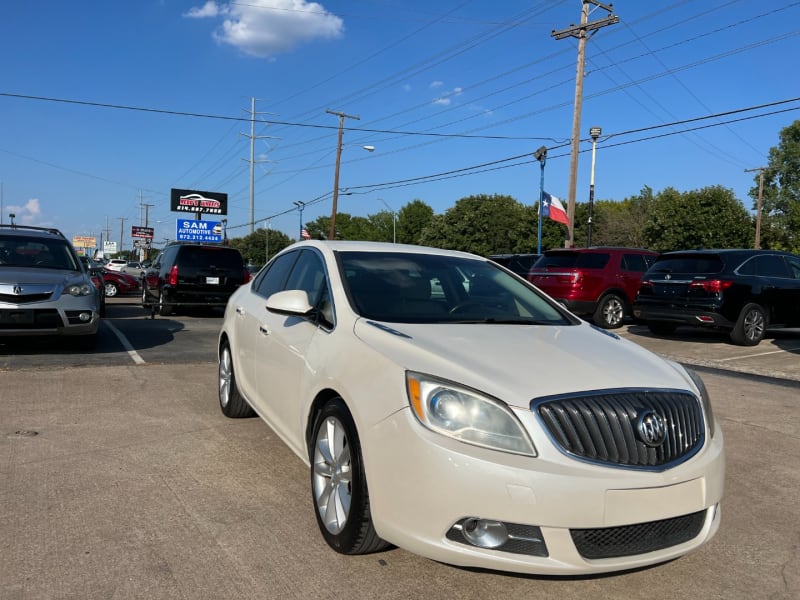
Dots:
{"x": 290, "y": 302}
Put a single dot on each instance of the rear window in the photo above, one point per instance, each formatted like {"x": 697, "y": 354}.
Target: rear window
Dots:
{"x": 223, "y": 258}
{"x": 574, "y": 260}
{"x": 704, "y": 264}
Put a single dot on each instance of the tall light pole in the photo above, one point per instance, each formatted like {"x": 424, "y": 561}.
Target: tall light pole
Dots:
{"x": 266, "y": 241}
{"x": 300, "y": 206}
{"x": 394, "y": 220}
{"x": 541, "y": 156}
{"x": 595, "y": 132}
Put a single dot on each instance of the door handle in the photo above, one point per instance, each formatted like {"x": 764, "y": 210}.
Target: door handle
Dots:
{"x": 263, "y": 329}
{"x": 239, "y": 310}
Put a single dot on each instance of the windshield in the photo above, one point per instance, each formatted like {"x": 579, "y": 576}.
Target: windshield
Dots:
{"x": 427, "y": 288}
{"x": 31, "y": 252}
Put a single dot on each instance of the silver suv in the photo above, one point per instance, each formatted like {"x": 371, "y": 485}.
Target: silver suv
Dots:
{"x": 44, "y": 288}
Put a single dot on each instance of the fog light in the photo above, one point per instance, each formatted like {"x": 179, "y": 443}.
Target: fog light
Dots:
{"x": 485, "y": 533}
{"x": 85, "y": 317}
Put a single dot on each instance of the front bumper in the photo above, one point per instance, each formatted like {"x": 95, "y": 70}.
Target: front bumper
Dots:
{"x": 421, "y": 484}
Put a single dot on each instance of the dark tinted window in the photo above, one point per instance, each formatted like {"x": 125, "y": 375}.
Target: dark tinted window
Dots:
{"x": 222, "y": 258}
{"x": 794, "y": 267}
{"x": 771, "y": 266}
{"x": 308, "y": 275}
{"x": 699, "y": 264}
{"x": 574, "y": 260}
{"x": 636, "y": 262}
{"x": 272, "y": 278}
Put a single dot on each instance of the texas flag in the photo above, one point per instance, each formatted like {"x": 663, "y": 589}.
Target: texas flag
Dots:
{"x": 552, "y": 208}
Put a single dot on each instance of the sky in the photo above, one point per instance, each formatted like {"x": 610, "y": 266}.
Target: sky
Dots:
{"x": 107, "y": 106}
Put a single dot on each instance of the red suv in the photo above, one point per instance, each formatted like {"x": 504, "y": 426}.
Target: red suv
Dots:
{"x": 601, "y": 282}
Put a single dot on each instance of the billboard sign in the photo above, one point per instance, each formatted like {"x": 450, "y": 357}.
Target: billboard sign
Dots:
{"x": 84, "y": 241}
{"x": 141, "y": 232}
{"x": 193, "y": 201}
{"x": 109, "y": 248}
{"x": 198, "y": 231}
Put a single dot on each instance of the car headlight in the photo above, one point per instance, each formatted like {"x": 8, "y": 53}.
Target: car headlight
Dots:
{"x": 83, "y": 289}
{"x": 466, "y": 415}
{"x": 704, "y": 397}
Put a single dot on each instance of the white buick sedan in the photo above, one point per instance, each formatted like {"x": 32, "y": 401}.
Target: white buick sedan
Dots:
{"x": 447, "y": 407}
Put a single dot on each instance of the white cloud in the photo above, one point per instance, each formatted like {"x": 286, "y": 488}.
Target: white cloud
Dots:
{"x": 447, "y": 97}
{"x": 264, "y": 28}
{"x": 442, "y": 101}
{"x": 436, "y": 84}
{"x": 209, "y": 9}
{"x": 26, "y": 214}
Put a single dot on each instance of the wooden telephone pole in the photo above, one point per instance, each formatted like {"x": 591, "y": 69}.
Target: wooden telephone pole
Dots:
{"x": 760, "y": 170}
{"x": 582, "y": 31}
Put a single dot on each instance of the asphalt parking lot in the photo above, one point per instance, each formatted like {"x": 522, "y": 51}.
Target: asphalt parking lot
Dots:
{"x": 121, "y": 479}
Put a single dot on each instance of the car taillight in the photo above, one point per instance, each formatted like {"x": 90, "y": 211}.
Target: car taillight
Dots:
{"x": 173, "y": 275}
{"x": 712, "y": 286}
{"x": 646, "y": 284}
{"x": 246, "y": 276}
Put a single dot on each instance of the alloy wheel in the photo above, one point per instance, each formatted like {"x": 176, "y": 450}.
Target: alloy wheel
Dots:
{"x": 332, "y": 479}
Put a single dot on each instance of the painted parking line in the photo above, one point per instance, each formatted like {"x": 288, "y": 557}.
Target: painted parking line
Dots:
{"x": 125, "y": 344}
{"x": 759, "y": 354}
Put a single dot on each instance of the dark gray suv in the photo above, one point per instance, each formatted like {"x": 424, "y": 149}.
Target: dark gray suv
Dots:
{"x": 192, "y": 275}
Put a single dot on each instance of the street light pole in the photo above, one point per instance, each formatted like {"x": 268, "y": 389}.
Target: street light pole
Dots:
{"x": 300, "y": 206}
{"x": 541, "y": 156}
{"x": 595, "y": 133}
{"x": 394, "y": 221}
{"x": 266, "y": 242}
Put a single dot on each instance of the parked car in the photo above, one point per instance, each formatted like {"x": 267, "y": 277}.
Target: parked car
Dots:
{"x": 192, "y": 275}
{"x": 95, "y": 271}
{"x": 597, "y": 282}
{"x": 433, "y": 395}
{"x": 743, "y": 292}
{"x": 517, "y": 263}
{"x": 44, "y": 289}
{"x": 133, "y": 268}
{"x": 116, "y": 264}
{"x": 117, "y": 283}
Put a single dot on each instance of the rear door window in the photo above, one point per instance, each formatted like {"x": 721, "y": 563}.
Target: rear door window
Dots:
{"x": 700, "y": 264}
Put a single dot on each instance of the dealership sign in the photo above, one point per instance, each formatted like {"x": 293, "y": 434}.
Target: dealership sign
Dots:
{"x": 141, "y": 232}
{"x": 198, "y": 231}
{"x": 193, "y": 201}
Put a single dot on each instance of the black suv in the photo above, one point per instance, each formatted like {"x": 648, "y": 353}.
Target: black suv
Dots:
{"x": 517, "y": 263}
{"x": 186, "y": 275}
{"x": 740, "y": 291}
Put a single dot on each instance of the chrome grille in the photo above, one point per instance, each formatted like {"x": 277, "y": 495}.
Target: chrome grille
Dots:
{"x": 602, "y": 426}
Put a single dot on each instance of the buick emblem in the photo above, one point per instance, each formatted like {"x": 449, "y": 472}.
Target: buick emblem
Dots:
{"x": 651, "y": 428}
{"x": 17, "y": 290}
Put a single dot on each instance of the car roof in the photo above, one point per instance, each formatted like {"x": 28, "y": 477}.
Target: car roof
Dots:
{"x": 361, "y": 246}
{"x": 31, "y": 231}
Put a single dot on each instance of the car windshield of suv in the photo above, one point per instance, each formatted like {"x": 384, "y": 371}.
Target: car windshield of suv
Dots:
{"x": 573, "y": 260}
{"x": 701, "y": 264}
{"x": 31, "y": 252}
{"x": 425, "y": 288}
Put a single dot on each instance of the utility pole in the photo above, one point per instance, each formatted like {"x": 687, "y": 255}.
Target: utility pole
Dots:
{"x": 149, "y": 241}
{"x": 342, "y": 117}
{"x": 121, "y": 230}
{"x": 760, "y": 170}
{"x": 253, "y": 137}
{"x": 582, "y": 32}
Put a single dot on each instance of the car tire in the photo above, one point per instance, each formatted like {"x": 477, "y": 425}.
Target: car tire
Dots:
{"x": 750, "y": 326}
{"x": 661, "y": 328}
{"x": 610, "y": 312}
{"x": 231, "y": 402}
{"x": 145, "y": 298}
{"x": 111, "y": 289}
{"x": 164, "y": 309}
{"x": 338, "y": 483}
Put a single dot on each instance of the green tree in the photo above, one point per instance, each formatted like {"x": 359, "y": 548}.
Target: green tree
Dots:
{"x": 780, "y": 212}
{"x": 622, "y": 223}
{"x": 711, "y": 217}
{"x": 412, "y": 219}
{"x": 484, "y": 225}
{"x": 254, "y": 246}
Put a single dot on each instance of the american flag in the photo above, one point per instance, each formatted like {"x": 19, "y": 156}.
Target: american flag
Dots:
{"x": 304, "y": 234}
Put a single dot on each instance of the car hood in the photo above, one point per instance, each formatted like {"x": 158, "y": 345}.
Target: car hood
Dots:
{"x": 12, "y": 275}
{"x": 517, "y": 363}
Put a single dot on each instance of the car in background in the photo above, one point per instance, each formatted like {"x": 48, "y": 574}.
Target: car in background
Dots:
{"x": 188, "y": 275}
{"x": 133, "y": 268}
{"x": 599, "y": 282}
{"x": 743, "y": 292}
{"x": 433, "y": 396}
{"x": 44, "y": 288}
{"x": 116, "y": 283}
{"x": 517, "y": 263}
{"x": 116, "y": 264}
